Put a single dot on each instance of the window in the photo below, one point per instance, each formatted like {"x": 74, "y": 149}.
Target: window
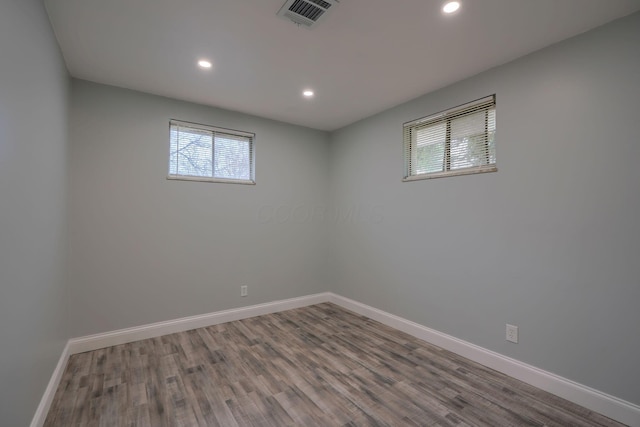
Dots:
{"x": 458, "y": 141}
{"x": 205, "y": 153}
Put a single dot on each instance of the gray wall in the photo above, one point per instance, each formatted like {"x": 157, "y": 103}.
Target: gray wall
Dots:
{"x": 550, "y": 242}
{"x": 147, "y": 249}
{"x": 33, "y": 177}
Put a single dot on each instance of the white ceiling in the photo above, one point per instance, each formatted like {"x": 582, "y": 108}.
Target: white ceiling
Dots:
{"x": 364, "y": 57}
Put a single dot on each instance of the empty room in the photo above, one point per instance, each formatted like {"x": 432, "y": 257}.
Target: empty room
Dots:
{"x": 319, "y": 213}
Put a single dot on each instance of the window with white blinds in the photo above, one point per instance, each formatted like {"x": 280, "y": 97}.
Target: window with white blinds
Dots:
{"x": 458, "y": 141}
{"x": 206, "y": 153}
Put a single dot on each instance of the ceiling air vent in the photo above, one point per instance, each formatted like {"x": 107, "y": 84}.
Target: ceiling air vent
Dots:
{"x": 306, "y": 12}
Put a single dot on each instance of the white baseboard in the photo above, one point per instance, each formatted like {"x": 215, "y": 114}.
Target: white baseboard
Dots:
{"x": 610, "y": 406}
{"x": 47, "y": 398}
{"x": 123, "y": 336}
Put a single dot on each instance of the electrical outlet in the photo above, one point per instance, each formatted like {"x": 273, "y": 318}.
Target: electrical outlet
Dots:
{"x": 243, "y": 291}
{"x": 512, "y": 333}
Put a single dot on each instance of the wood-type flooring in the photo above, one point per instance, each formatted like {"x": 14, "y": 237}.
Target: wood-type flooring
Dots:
{"x": 315, "y": 366}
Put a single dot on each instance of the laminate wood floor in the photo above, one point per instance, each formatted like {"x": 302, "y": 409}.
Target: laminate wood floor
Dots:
{"x": 315, "y": 366}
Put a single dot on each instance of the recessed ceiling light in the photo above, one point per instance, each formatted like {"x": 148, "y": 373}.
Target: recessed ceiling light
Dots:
{"x": 308, "y": 93}
{"x": 203, "y": 63}
{"x": 451, "y": 6}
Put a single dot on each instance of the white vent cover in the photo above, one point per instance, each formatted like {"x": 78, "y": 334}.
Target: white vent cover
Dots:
{"x": 306, "y": 12}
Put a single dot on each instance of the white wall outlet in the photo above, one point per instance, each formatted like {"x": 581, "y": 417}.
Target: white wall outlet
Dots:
{"x": 512, "y": 333}
{"x": 243, "y": 291}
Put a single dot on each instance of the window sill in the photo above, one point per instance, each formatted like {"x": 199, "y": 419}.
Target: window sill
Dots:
{"x": 205, "y": 179}
{"x": 450, "y": 173}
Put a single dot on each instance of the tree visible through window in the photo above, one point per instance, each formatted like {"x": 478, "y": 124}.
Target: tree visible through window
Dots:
{"x": 208, "y": 153}
{"x": 457, "y": 141}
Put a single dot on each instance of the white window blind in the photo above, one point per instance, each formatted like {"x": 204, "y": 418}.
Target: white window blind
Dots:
{"x": 206, "y": 153}
{"x": 458, "y": 141}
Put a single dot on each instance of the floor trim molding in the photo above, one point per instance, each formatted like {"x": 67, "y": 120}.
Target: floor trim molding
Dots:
{"x": 47, "y": 398}
{"x": 610, "y": 406}
{"x": 605, "y": 404}
{"x": 123, "y": 336}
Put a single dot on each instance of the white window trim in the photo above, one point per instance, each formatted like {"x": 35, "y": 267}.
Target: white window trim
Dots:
{"x": 439, "y": 117}
{"x": 207, "y": 179}
{"x": 252, "y": 181}
{"x": 466, "y": 171}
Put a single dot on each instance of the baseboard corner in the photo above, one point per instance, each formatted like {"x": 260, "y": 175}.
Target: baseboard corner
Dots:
{"x": 49, "y": 393}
